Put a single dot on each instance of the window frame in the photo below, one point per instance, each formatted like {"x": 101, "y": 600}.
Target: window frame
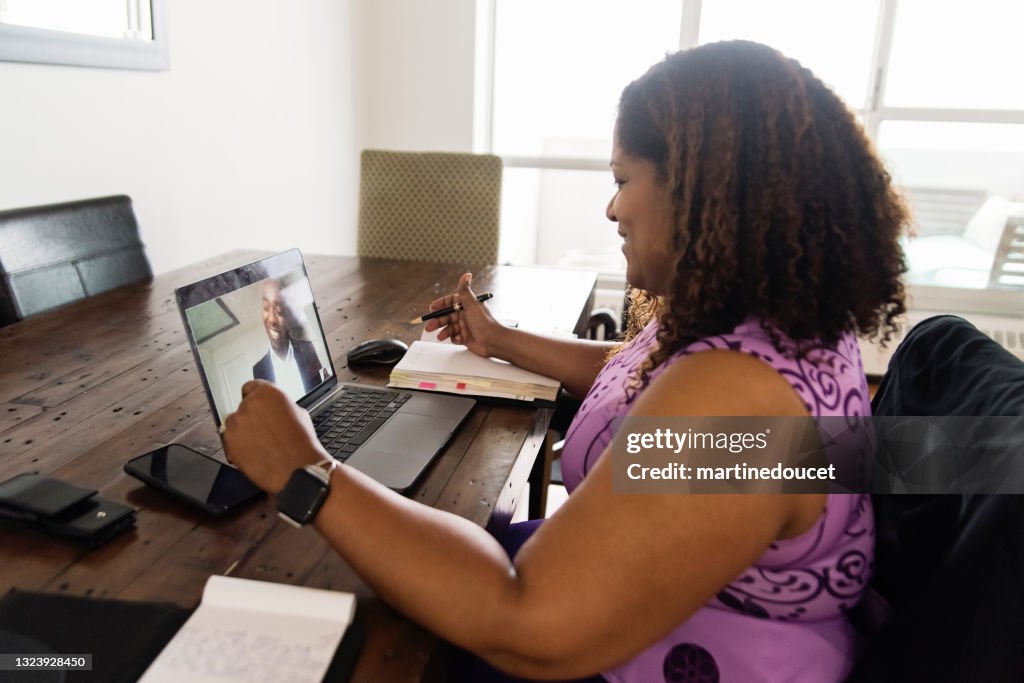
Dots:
{"x": 43, "y": 46}
{"x": 988, "y": 301}
{"x": 873, "y": 115}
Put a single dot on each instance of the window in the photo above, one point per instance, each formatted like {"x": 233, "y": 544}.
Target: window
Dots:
{"x": 935, "y": 85}
{"x": 130, "y": 34}
{"x": 838, "y": 50}
{"x": 558, "y": 67}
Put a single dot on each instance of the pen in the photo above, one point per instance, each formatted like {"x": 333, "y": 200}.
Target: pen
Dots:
{"x": 447, "y": 311}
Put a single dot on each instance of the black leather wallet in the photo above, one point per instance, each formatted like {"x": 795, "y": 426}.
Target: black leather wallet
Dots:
{"x": 60, "y": 509}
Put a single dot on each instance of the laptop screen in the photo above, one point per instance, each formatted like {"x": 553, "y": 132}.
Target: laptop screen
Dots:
{"x": 258, "y": 321}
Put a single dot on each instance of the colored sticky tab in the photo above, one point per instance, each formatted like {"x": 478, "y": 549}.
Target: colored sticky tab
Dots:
{"x": 460, "y": 385}
{"x": 428, "y": 385}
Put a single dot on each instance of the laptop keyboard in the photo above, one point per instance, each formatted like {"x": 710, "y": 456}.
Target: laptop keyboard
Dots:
{"x": 353, "y": 417}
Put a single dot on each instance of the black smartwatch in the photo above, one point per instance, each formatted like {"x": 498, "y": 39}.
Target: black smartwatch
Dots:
{"x": 302, "y": 497}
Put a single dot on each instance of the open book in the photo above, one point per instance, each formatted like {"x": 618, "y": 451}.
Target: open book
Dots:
{"x": 256, "y": 631}
{"x": 457, "y": 370}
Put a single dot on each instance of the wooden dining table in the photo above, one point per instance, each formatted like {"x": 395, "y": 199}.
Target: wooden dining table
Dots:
{"x": 87, "y": 387}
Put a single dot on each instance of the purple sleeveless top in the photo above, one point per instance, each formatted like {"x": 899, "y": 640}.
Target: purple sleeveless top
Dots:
{"x": 783, "y": 619}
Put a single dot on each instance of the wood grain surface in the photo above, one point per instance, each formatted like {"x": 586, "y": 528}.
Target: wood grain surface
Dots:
{"x": 85, "y": 388}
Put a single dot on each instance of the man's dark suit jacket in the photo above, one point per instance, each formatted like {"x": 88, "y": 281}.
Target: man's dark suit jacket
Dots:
{"x": 305, "y": 356}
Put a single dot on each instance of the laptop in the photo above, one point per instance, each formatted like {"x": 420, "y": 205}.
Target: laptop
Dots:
{"x": 261, "y": 321}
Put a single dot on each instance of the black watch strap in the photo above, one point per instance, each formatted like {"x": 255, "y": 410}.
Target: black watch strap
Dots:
{"x": 302, "y": 497}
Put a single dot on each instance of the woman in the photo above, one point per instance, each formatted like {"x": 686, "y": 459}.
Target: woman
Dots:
{"x": 760, "y": 234}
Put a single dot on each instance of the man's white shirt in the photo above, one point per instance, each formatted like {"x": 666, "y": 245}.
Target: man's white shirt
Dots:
{"x": 287, "y": 376}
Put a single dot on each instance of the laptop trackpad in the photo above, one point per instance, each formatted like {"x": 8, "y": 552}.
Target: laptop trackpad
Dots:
{"x": 397, "y": 453}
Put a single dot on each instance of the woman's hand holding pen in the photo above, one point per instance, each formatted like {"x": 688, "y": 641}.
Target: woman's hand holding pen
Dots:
{"x": 473, "y": 326}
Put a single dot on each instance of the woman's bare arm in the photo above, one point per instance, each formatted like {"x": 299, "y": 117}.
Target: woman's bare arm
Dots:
{"x": 602, "y": 579}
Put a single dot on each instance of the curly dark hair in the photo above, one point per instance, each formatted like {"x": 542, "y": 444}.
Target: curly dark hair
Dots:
{"x": 781, "y": 208}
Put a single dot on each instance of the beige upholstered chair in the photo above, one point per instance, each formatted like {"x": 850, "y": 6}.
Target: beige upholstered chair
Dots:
{"x": 429, "y": 206}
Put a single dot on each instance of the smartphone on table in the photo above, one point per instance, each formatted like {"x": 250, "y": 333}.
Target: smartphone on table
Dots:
{"x": 187, "y": 474}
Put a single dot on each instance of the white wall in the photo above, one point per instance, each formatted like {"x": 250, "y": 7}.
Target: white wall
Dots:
{"x": 249, "y": 140}
{"x": 252, "y": 138}
{"x": 417, "y": 70}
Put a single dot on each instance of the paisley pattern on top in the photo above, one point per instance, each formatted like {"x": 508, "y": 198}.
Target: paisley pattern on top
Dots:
{"x": 783, "y": 618}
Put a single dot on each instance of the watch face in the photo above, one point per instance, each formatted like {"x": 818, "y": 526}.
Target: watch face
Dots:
{"x": 302, "y": 496}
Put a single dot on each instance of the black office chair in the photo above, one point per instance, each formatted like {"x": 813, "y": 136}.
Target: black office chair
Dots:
{"x": 950, "y": 566}
{"x": 55, "y": 254}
